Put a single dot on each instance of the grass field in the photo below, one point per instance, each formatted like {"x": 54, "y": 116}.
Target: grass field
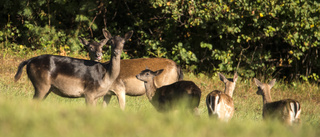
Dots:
{"x": 57, "y": 116}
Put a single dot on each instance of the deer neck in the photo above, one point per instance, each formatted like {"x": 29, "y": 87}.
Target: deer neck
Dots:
{"x": 150, "y": 89}
{"x": 114, "y": 68}
{"x": 229, "y": 89}
{"x": 266, "y": 97}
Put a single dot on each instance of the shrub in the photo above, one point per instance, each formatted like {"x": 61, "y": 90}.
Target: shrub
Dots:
{"x": 257, "y": 38}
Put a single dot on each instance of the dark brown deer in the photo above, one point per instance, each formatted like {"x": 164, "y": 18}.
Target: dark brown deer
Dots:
{"x": 287, "y": 110}
{"x": 220, "y": 104}
{"x": 169, "y": 96}
{"x": 127, "y": 84}
{"x": 71, "y": 77}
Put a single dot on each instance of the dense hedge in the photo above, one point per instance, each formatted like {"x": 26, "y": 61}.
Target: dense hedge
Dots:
{"x": 256, "y": 38}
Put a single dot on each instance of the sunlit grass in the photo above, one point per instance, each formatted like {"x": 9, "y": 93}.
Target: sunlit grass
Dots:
{"x": 57, "y": 116}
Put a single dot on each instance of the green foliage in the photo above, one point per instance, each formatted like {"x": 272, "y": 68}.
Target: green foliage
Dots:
{"x": 179, "y": 52}
{"x": 9, "y": 34}
{"x": 267, "y": 29}
{"x": 256, "y": 38}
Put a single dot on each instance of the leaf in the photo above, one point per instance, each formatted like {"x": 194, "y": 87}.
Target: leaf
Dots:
{"x": 206, "y": 45}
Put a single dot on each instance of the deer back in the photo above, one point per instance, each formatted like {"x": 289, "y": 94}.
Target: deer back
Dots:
{"x": 129, "y": 68}
{"x": 170, "y": 95}
{"x": 73, "y": 76}
{"x": 287, "y": 110}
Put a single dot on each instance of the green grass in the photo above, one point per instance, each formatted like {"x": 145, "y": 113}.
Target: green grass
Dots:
{"x": 57, "y": 116}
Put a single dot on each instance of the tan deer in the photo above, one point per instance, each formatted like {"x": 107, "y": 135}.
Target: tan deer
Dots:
{"x": 219, "y": 104}
{"x": 72, "y": 77}
{"x": 127, "y": 83}
{"x": 168, "y": 97}
{"x": 287, "y": 111}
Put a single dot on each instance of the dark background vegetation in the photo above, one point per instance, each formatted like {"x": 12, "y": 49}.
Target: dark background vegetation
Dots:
{"x": 256, "y": 38}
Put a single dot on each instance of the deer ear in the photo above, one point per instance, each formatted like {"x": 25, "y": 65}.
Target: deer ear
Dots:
{"x": 83, "y": 41}
{"x": 128, "y": 35}
{"x": 158, "y": 72}
{"x": 271, "y": 83}
{"x": 103, "y": 42}
{"x": 235, "y": 77}
{"x": 106, "y": 34}
{"x": 222, "y": 78}
{"x": 258, "y": 83}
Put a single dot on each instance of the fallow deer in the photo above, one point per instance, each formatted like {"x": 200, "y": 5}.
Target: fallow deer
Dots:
{"x": 94, "y": 48}
{"x": 220, "y": 104}
{"x": 169, "y": 96}
{"x": 71, "y": 77}
{"x": 127, "y": 84}
{"x": 287, "y": 111}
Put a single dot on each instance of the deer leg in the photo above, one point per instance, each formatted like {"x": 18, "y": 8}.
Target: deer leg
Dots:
{"x": 90, "y": 100}
{"x": 297, "y": 120}
{"x": 41, "y": 91}
{"x": 96, "y": 101}
{"x": 106, "y": 100}
{"x": 120, "y": 92}
{"x": 122, "y": 100}
{"x": 287, "y": 121}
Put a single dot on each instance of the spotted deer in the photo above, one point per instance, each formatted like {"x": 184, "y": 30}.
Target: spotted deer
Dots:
{"x": 72, "y": 77}
{"x": 127, "y": 84}
{"x": 170, "y": 96}
{"x": 220, "y": 104}
{"x": 287, "y": 110}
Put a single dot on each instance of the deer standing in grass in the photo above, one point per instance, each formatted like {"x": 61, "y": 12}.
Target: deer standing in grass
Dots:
{"x": 74, "y": 78}
{"x": 127, "y": 83}
{"x": 220, "y": 104}
{"x": 287, "y": 111}
{"x": 167, "y": 97}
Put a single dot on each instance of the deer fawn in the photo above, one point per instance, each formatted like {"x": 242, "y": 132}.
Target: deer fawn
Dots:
{"x": 71, "y": 77}
{"x": 169, "y": 96}
{"x": 287, "y": 111}
{"x": 127, "y": 83}
{"x": 220, "y": 104}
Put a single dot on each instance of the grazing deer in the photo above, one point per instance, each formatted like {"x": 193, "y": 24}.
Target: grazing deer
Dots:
{"x": 71, "y": 77}
{"x": 128, "y": 84}
{"x": 167, "y": 97}
{"x": 287, "y": 111}
{"x": 220, "y": 104}
{"x": 94, "y": 48}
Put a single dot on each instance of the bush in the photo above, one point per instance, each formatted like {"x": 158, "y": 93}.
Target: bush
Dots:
{"x": 256, "y": 38}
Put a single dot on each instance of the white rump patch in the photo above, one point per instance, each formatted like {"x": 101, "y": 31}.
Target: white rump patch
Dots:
{"x": 294, "y": 114}
{"x": 298, "y": 111}
{"x": 210, "y": 103}
{"x": 217, "y": 107}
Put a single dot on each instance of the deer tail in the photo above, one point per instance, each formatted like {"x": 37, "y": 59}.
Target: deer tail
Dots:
{"x": 20, "y": 67}
{"x": 297, "y": 109}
